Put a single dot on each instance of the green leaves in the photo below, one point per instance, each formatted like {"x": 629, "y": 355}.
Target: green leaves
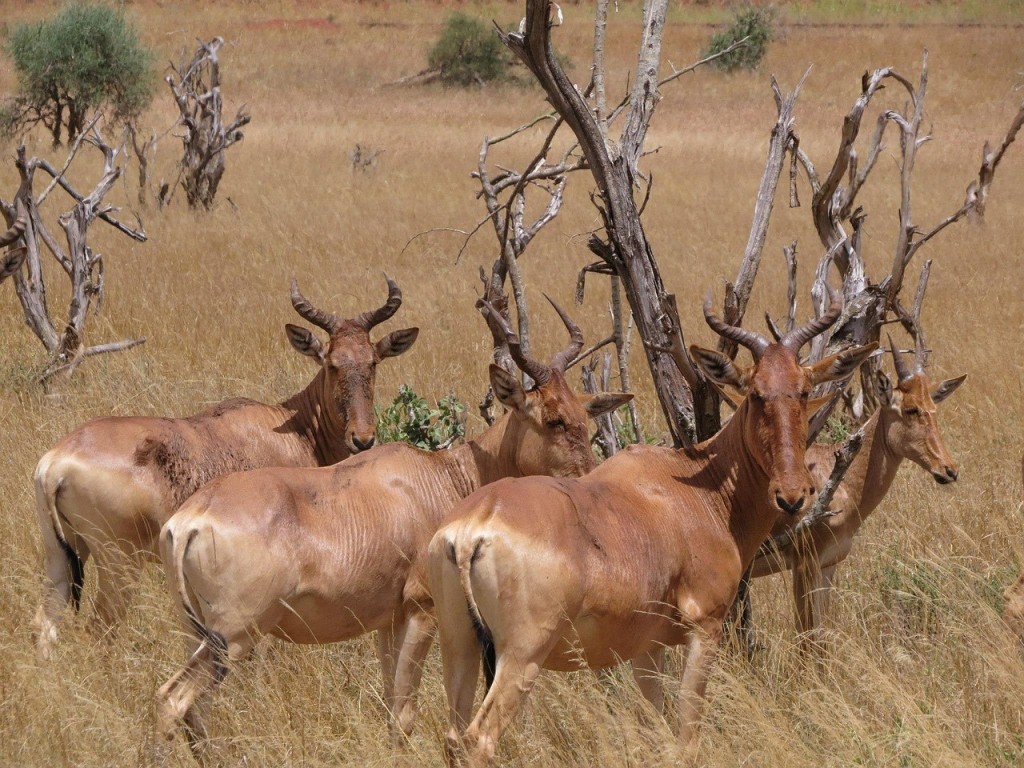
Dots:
{"x": 85, "y": 58}
{"x": 757, "y": 24}
{"x": 469, "y": 52}
{"x": 410, "y": 419}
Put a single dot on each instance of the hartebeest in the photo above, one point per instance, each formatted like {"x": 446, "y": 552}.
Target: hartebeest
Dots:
{"x": 107, "y": 487}
{"x": 646, "y": 551}
{"x": 903, "y": 427}
{"x": 325, "y": 555}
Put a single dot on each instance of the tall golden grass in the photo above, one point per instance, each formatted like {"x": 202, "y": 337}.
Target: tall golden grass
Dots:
{"x": 921, "y": 671}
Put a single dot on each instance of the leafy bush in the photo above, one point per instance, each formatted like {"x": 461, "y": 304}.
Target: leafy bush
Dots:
{"x": 469, "y": 52}
{"x": 409, "y": 419}
{"x": 756, "y": 23}
{"x": 85, "y": 58}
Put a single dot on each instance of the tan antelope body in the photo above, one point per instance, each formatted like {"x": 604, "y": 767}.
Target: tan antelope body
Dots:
{"x": 903, "y": 427}
{"x": 644, "y": 552}
{"x": 107, "y": 487}
{"x": 325, "y": 555}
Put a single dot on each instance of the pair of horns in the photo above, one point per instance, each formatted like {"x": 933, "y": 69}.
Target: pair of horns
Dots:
{"x": 535, "y": 369}
{"x": 902, "y": 372}
{"x": 792, "y": 341}
{"x": 331, "y": 322}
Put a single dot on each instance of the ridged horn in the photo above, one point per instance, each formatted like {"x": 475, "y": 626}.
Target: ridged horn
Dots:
{"x": 902, "y": 372}
{"x": 804, "y": 333}
{"x": 537, "y": 371}
{"x": 753, "y": 341}
{"x": 369, "y": 319}
{"x": 920, "y": 354}
{"x": 562, "y": 359}
{"x": 326, "y": 320}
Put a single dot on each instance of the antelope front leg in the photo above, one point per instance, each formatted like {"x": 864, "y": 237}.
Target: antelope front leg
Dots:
{"x": 416, "y": 639}
{"x": 701, "y": 648}
{"x": 648, "y": 671}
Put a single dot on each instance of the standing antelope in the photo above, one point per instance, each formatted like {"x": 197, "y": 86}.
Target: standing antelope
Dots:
{"x": 325, "y": 555}
{"x": 903, "y": 427}
{"x": 644, "y": 552}
{"x": 107, "y": 487}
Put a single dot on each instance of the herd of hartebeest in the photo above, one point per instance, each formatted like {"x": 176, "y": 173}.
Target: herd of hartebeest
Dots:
{"x": 514, "y": 548}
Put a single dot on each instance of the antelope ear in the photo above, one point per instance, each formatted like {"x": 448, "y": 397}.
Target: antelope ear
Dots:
{"x": 303, "y": 340}
{"x": 947, "y": 388}
{"x": 815, "y": 404}
{"x": 719, "y": 368}
{"x": 507, "y": 388}
{"x": 396, "y": 342}
{"x": 885, "y": 389}
{"x": 596, "y": 405}
{"x": 841, "y": 364}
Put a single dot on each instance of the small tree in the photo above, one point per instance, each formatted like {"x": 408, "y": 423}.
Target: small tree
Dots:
{"x": 756, "y": 26}
{"x": 468, "y": 52}
{"x": 85, "y": 58}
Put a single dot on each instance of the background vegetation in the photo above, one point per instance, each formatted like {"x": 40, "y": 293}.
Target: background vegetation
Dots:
{"x": 922, "y": 673}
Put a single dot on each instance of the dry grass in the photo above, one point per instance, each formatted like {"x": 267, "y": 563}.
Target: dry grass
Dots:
{"x": 922, "y": 672}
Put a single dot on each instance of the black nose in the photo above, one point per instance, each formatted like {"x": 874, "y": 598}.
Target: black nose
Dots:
{"x": 793, "y": 508}
{"x": 360, "y": 445}
{"x": 948, "y": 476}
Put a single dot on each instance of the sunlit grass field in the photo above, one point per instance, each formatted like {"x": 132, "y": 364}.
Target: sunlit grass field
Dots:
{"x": 921, "y": 672}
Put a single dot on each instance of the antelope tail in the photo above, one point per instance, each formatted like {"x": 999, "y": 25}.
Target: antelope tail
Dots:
{"x": 483, "y": 634}
{"x": 175, "y": 552}
{"x": 46, "y": 500}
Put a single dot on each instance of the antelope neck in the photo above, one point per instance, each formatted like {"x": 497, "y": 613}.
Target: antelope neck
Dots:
{"x": 317, "y": 422}
{"x": 487, "y": 457}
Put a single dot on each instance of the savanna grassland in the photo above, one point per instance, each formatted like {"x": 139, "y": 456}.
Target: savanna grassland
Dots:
{"x": 921, "y": 671}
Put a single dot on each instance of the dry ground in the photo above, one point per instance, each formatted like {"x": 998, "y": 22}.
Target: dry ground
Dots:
{"x": 922, "y": 672}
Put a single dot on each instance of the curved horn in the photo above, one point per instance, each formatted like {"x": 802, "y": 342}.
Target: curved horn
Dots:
{"x": 753, "y": 341}
{"x": 369, "y": 319}
{"x": 804, "y": 333}
{"x": 902, "y": 374}
{"x": 539, "y": 372}
{"x": 562, "y": 359}
{"x": 17, "y": 230}
{"x": 317, "y": 317}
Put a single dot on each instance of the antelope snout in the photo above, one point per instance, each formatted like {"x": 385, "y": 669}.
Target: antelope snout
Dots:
{"x": 945, "y": 475}
{"x": 794, "y": 500}
{"x": 362, "y": 443}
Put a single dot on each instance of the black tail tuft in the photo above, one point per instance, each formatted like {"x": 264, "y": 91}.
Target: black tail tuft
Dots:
{"x": 489, "y": 657}
{"x": 77, "y": 573}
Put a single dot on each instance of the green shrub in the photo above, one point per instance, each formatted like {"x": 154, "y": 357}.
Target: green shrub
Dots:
{"x": 85, "y": 58}
{"x": 756, "y": 23}
{"x": 469, "y": 52}
{"x": 409, "y": 419}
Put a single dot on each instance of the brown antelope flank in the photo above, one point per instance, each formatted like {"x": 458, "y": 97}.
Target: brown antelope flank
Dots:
{"x": 646, "y": 551}
{"x": 107, "y": 488}
{"x": 903, "y": 427}
{"x": 325, "y": 555}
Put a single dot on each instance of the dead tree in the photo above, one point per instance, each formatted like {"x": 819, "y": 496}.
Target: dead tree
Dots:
{"x": 64, "y": 341}
{"x": 196, "y": 89}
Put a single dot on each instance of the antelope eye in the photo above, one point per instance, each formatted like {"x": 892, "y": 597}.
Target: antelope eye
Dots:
{"x": 556, "y": 424}
{"x": 911, "y": 412}
{"x": 805, "y": 396}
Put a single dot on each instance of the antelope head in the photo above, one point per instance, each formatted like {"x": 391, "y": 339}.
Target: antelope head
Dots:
{"x": 349, "y": 362}
{"x": 550, "y": 434}
{"x": 777, "y": 389}
{"x": 911, "y": 429}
